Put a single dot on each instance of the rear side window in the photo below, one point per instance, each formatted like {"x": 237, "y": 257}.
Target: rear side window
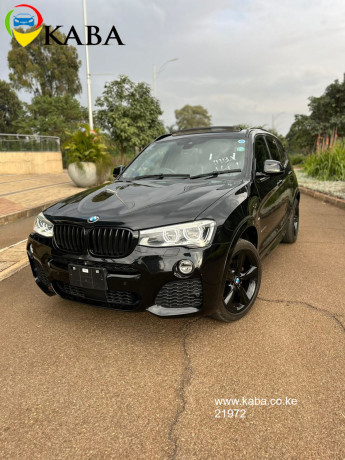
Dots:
{"x": 261, "y": 153}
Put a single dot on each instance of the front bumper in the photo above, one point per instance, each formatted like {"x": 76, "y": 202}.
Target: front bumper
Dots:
{"x": 144, "y": 280}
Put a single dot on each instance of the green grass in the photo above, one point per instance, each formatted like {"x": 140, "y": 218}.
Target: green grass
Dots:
{"x": 297, "y": 158}
{"x": 327, "y": 165}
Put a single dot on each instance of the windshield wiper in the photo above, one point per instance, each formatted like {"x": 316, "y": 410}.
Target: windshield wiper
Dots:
{"x": 159, "y": 176}
{"x": 216, "y": 173}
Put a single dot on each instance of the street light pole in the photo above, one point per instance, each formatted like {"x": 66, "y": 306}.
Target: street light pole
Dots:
{"x": 274, "y": 117}
{"x": 154, "y": 80}
{"x": 156, "y": 73}
{"x": 88, "y": 74}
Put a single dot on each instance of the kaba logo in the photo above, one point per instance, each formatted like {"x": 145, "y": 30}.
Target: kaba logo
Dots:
{"x": 31, "y": 17}
{"x": 93, "y": 36}
{"x": 26, "y": 16}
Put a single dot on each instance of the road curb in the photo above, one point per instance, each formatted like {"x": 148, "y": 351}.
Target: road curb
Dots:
{"x": 323, "y": 197}
{"x": 6, "y": 219}
{"x": 13, "y": 269}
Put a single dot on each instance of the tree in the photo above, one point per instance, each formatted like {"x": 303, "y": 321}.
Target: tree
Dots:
{"x": 129, "y": 113}
{"x": 170, "y": 129}
{"x": 325, "y": 122}
{"x": 302, "y": 135}
{"x": 328, "y": 110}
{"x": 52, "y": 116}
{"x": 192, "y": 116}
{"x": 10, "y": 108}
{"x": 45, "y": 70}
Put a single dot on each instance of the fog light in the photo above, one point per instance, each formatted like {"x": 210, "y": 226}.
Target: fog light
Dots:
{"x": 185, "y": 267}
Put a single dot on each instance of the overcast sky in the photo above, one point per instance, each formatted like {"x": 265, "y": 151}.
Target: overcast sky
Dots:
{"x": 243, "y": 60}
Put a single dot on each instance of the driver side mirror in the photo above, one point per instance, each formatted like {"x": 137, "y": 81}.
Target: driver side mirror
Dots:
{"x": 118, "y": 170}
{"x": 273, "y": 167}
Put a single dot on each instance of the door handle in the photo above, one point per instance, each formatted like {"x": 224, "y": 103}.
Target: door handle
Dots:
{"x": 280, "y": 182}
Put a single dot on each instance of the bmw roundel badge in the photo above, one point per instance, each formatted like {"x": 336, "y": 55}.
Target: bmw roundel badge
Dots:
{"x": 93, "y": 219}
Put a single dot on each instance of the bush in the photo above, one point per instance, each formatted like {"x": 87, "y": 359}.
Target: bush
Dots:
{"x": 85, "y": 145}
{"x": 297, "y": 158}
{"x": 327, "y": 165}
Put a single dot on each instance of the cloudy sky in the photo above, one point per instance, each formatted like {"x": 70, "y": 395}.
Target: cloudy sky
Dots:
{"x": 246, "y": 61}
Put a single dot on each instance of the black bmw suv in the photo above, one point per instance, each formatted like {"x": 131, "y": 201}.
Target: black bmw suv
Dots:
{"x": 180, "y": 231}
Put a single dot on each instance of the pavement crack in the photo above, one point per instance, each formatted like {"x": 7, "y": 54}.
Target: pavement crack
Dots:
{"x": 323, "y": 311}
{"x": 186, "y": 377}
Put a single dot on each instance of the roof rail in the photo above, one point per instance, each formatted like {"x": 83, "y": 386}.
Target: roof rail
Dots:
{"x": 208, "y": 129}
{"x": 257, "y": 127}
{"x": 162, "y": 136}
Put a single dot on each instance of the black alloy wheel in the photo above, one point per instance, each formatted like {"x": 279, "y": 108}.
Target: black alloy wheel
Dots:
{"x": 242, "y": 282}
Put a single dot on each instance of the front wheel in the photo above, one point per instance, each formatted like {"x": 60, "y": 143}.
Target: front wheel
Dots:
{"x": 242, "y": 283}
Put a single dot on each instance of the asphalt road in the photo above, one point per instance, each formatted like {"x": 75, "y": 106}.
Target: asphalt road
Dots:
{"x": 78, "y": 382}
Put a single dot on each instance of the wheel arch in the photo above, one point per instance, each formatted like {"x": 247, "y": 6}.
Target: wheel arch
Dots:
{"x": 250, "y": 234}
{"x": 247, "y": 231}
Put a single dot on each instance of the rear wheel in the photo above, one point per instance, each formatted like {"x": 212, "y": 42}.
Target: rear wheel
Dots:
{"x": 242, "y": 283}
{"x": 293, "y": 224}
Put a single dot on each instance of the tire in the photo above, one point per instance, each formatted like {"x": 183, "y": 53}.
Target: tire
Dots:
{"x": 242, "y": 283}
{"x": 292, "y": 225}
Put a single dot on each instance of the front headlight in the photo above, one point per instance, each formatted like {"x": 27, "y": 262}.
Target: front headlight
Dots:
{"x": 196, "y": 234}
{"x": 43, "y": 226}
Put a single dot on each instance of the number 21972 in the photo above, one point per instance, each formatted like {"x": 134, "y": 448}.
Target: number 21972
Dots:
{"x": 230, "y": 413}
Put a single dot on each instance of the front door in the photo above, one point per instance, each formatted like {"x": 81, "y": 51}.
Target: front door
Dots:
{"x": 269, "y": 189}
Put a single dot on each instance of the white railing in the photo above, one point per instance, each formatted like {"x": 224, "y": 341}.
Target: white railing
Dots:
{"x": 28, "y": 143}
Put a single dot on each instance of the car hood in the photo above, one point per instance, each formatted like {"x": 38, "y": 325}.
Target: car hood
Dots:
{"x": 143, "y": 204}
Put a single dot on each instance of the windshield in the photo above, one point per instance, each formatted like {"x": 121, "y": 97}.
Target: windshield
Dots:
{"x": 191, "y": 155}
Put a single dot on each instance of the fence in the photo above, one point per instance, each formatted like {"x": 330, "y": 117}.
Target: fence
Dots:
{"x": 28, "y": 143}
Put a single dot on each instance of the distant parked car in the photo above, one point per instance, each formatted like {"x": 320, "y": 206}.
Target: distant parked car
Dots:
{"x": 24, "y": 19}
{"x": 181, "y": 231}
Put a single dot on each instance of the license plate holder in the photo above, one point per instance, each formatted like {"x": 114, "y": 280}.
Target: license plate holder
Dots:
{"x": 88, "y": 277}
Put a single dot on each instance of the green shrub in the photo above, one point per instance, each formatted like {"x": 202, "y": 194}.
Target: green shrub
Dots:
{"x": 84, "y": 145}
{"x": 327, "y": 165}
{"x": 297, "y": 158}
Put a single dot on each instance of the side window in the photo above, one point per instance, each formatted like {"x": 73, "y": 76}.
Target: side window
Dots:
{"x": 283, "y": 154}
{"x": 275, "y": 153}
{"x": 261, "y": 153}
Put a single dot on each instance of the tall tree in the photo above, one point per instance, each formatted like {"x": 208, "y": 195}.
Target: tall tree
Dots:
{"x": 129, "y": 113}
{"x": 10, "y": 108}
{"x": 45, "y": 70}
{"x": 328, "y": 110}
{"x": 52, "y": 116}
{"x": 192, "y": 116}
{"x": 302, "y": 135}
{"x": 326, "y": 119}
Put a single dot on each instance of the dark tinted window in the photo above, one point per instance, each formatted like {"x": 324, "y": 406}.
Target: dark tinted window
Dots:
{"x": 275, "y": 153}
{"x": 261, "y": 153}
{"x": 282, "y": 152}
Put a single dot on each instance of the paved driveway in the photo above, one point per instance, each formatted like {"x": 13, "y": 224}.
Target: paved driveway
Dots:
{"x": 79, "y": 382}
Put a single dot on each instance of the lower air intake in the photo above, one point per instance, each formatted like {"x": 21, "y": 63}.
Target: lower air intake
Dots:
{"x": 178, "y": 294}
{"x": 111, "y": 298}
